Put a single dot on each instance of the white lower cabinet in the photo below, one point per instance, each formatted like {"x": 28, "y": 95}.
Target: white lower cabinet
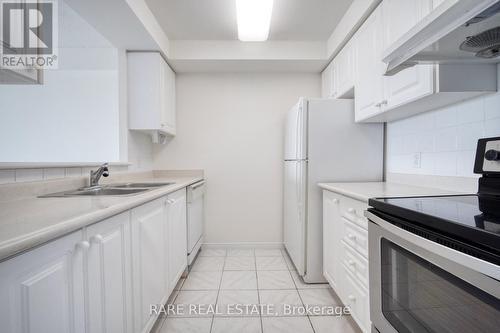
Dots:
{"x": 42, "y": 291}
{"x": 331, "y": 239}
{"x": 103, "y": 278}
{"x": 159, "y": 253}
{"x": 109, "y": 275}
{"x": 149, "y": 259}
{"x": 345, "y": 253}
{"x": 177, "y": 236}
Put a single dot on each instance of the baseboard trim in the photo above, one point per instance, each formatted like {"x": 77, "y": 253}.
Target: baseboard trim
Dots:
{"x": 244, "y": 245}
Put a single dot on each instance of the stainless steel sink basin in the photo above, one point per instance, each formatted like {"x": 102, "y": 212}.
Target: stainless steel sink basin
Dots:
{"x": 139, "y": 185}
{"x": 110, "y": 189}
{"x": 97, "y": 191}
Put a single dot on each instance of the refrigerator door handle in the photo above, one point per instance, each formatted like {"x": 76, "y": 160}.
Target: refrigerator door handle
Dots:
{"x": 297, "y": 133}
{"x": 297, "y": 186}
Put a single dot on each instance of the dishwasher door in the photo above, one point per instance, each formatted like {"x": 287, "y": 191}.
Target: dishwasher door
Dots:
{"x": 195, "y": 218}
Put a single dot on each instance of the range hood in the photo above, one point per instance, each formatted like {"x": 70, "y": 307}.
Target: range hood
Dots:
{"x": 456, "y": 32}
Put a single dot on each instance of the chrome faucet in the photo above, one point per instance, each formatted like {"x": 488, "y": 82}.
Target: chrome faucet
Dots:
{"x": 96, "y": 175}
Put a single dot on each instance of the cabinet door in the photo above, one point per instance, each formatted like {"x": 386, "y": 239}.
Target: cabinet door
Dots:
{"x": 144, "y": 81}
{"x": 333, "y": 79}
{"x": 413, "y": 83}
{"x": 344, "y": 77}
{"x": 109, "y": 275}
{"x": 326, "y": 82}
{"x": 331, "y": 239}
{"x": 42, "y": 291}
{"x": 369, "y": 74}
{"x": 177, "y": 236}
{"x": 148, "y": 261}
{"x": 168, "y": 116}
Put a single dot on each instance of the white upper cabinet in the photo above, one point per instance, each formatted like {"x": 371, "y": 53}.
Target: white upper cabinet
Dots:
{"x": 328, "y": 81}
{"x": 345, "y": 70}
{"x": 339, "y": 77}
{"x": 151, "y": 93}
{"x": 417, "y": 89}
{"x": 399, "y": 16}
{"x": 333, "y": 82}
{"x": 369, "y": 80}
{"x": 43, "y": 290}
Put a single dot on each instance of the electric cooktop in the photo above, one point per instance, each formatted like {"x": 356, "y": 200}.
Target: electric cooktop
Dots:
{"x": 471, "y": 219}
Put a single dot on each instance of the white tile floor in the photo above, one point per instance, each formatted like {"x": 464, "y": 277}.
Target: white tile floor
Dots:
{"x": 225, "y": 277}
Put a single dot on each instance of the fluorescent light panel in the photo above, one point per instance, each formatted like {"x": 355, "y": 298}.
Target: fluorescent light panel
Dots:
{"x": 254, "y": 19}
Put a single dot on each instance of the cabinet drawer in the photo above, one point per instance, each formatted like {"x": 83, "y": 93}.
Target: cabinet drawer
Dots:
{"x": 355, "y": 263}
{"x": 356, "y": 237}
{"x": 354, "y": 210}
{"x": 356, "y": 297}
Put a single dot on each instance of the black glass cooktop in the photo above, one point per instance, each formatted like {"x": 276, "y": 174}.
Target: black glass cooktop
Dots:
{"x": 469, "y": 218}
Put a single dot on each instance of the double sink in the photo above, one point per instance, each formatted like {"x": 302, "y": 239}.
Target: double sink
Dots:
{"x": 109, "y": 189}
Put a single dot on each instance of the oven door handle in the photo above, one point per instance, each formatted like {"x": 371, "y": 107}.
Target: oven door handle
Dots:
{"x": 440, "y": 255}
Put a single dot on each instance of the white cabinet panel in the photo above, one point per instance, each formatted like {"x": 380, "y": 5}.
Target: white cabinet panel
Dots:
{"x": 109, "y": 275}
{"x": 331, "y": 239}
{"x": 177, "y": 236}
{"x": 370, "y": 68}
{"x": 42, "y": 291}
{"x": 416, "y": 89}
{"x": 345, "y": 69}
{"x": 333, "y": 82}
{"x": 399, "y": 16}
{"x": 328, "y": 87}
{"x": 149, "y": 257}
{"x": 168, "y": 112}
{"x": 326, "y": 81}
{"x": 345, "y": 253}
{"x": 151, "y": 93}
{"x": 357, "y": 298}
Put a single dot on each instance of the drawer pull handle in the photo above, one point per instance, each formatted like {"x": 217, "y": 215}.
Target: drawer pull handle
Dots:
{"x": 351, "y": 263}
{"x": 170, "y": 201}
{"x": 335, "y": 201}
{"x": 97, "y": 239}
{"x": 83, "y": 245}
{"x": 351, "y": 237}
{"x": 351, "y": 211}
{"x": 352, "y": 298}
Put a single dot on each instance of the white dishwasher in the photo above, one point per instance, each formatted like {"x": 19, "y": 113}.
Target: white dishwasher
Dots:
{"x": 195, "y": 218}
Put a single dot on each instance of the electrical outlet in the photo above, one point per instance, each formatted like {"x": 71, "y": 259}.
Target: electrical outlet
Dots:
{"x": 417, "y": 160}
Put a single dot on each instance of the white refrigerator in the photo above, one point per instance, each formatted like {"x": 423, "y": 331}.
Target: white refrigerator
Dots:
{"x": 322, "y": 144}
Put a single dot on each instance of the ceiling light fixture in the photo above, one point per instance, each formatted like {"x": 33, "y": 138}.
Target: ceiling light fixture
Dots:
{"x": 254, "y": 19}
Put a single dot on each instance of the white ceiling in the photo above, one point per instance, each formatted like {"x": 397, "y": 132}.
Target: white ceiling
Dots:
{"x": 312, "y": 20}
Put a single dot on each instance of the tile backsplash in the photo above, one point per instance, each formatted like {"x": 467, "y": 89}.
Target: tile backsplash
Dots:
{"x": 442, "y": 142}
{"x": 8, "y": 176}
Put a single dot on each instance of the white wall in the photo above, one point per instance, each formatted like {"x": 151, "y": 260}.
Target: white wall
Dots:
{"x": 445, "y": 139}
{"x": 73, "y": 116}
{"x": 231, "y": 125}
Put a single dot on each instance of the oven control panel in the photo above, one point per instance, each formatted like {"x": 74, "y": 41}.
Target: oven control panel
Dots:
{"x": 488, "y": 156}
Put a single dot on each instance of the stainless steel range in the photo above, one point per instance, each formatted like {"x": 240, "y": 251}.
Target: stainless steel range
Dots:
{"x": 435, "y": 261}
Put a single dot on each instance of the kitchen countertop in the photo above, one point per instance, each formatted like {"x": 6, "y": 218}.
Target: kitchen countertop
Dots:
{"x": 367, "y": 190}
{"x": 27, "y": 222}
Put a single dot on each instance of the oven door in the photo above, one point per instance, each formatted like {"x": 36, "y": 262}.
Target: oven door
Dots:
{"x": 417, "y": 285}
